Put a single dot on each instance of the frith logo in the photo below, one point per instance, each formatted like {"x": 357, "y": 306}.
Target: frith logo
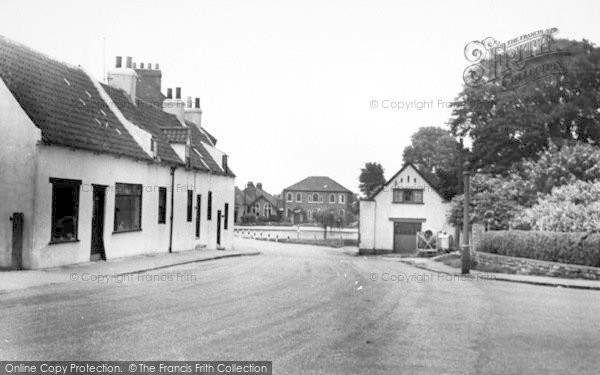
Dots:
{"x": 517, "y": 62}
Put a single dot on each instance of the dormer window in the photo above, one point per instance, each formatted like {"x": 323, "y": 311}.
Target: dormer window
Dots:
{"x": 154, "y": 147}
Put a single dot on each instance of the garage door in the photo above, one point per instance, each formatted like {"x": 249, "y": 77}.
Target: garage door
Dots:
{"x": 405, "y": 236}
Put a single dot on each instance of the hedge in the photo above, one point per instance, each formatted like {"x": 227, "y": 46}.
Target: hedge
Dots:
{"x": 579, "y": 248}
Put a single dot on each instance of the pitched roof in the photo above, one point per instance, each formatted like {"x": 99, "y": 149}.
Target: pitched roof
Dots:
{"x": 406, "y": 165}
{"x": 63, "y": 102}
{"x": 318, "y": 183}
{"x": 251, "y": 194}
{"x": 146, "y": 117}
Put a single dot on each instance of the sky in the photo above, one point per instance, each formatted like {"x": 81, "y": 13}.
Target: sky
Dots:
{"x": 293, "y": 89}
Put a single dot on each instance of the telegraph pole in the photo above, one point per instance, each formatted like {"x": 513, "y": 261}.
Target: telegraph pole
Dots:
{"x": 466, "y": 251}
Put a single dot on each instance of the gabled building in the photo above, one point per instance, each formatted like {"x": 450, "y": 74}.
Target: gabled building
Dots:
{"x": 256, "y": 202}
{"x": 94, "y": 171}
{"x": 393, "y": 215}
{"x": 316, "y": 194}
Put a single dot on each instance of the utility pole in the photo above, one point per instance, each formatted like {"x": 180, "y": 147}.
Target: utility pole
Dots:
{"x": 466, "y": 250}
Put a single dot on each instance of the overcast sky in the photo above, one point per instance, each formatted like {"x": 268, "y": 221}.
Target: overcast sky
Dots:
{"x": 287, "y": 86}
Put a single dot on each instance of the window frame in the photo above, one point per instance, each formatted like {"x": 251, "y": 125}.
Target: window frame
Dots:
{"x": 76, "y": 185}
{"x": 331, "y": 198}
{"x": 209, "y": 207}
{"x": 402, "y": 193}
{"x": 299, "y": 200}
{"x": 141, "y": 188}
{"x": 342, "y": 199}
{"x": 226, "y": 218}
{"x": 162, "y": 205}
{"x": 190, "y": 206}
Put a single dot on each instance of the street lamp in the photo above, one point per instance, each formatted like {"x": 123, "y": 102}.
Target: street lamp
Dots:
{"x": 466, "y": 250}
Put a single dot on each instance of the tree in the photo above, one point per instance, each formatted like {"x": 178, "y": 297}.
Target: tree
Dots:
{"x": 508, "y": 125}
{"x": 499, "y": 199}
{"x": 568, "y": 208}
{"x": 371, "y": 178}
{"x": 436, "y": 154}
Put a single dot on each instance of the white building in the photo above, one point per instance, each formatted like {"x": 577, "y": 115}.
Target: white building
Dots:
{"x": 405, "y": 205}
{"x": 93, "y": 171}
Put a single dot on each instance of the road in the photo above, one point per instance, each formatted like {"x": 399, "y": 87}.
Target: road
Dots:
{"x": 310, "y": 310}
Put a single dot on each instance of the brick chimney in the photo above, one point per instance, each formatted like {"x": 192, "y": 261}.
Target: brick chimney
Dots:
{"x": 175, "y": 105}
{"x": 194, "y": 114}
{"x": 124, "y": 78}
{"x": 259, "y": 185}
{"x": 149, "y": 84}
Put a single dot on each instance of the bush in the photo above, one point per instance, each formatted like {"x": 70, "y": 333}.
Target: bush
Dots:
{"x": 574, "y": 247}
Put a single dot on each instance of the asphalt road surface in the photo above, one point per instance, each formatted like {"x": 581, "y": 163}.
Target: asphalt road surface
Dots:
{"x": 309, "y": 310}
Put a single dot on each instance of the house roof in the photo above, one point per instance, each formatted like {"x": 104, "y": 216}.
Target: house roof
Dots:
{"x": 251, "y": 194}
{"x": 176, "y": 135}
{"x": 406, "y": 165}
{"x": 318, "y": 183}
{"x": 63, "y": 102}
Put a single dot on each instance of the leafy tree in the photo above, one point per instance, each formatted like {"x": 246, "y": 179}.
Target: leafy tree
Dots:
{"x": 496, "y": 200}
{"x": 371, "y": 178}
{"x": 436, "y": 154}
{"x": 509, "y": 125}
{"x": 569, "y": 208}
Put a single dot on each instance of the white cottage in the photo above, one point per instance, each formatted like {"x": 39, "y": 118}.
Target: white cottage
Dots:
{"x": 94, "y": 171}
{"x": 407, "y": 204}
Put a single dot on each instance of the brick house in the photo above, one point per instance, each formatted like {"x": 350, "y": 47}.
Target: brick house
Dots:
{"x": 100, "y": 171}
{"x": 316, "y": 194}
{"x": 255, "y": 201}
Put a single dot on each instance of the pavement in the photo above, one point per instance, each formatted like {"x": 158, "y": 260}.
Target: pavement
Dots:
{"x": 15, "y": 280}
{"x": 310, "y": 310}
{"x": 431, "y": 265}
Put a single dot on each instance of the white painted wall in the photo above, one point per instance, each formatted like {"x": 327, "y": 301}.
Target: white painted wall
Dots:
{"x": 17, "y": 171}
{"x": 380, "y": 234}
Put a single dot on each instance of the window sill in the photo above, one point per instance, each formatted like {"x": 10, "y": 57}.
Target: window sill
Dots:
{"x": 127, "y": 231}
{"x": 408, "y": 203}
{"x": 57, "y": 242}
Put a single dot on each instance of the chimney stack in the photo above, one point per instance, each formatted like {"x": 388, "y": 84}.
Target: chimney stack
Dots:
{"x": 123, "y": 78}
{"x": 194, "y": 114}
{"x": 175, "y": 106}
{"x": 224, "y": 163}
{"x": 141, "y": 65}
{"x": 259, "y": 185}
{"x": 134, "y": 64}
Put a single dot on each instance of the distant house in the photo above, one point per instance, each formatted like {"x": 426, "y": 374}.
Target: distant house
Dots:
{"x": 100, "y": 171}
{"x": 391, "y": 217}
{"x": 316, "y": 194}
{"x": 255, "y": 202}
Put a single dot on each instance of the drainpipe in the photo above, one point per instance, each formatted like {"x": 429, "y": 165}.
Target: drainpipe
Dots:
{"x": 172, "y": 208}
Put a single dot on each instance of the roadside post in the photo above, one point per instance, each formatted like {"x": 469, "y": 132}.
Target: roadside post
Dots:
{"x": 466, "y": 250}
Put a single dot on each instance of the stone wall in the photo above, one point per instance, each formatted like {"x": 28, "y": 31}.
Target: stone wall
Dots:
{"x": 525, "y": 266}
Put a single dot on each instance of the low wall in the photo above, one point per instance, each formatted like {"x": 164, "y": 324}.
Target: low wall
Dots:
{"x": 525, "y": 266}
{"x": 295, "y": 233}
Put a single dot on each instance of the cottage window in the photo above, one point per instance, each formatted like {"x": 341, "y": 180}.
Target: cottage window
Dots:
{"x": 256, "y": 209}
{"x": 162, "y": 205}
{"x": 408, "y": 196}
{"x": 190, "y": 205}
{"x": 65, "y": 209}
{"x": 128, "y": 207}
{"x": 209, "y": 206}
{"x": 267, "y": 210}
{"x": 342, "y": 198}
{"x": 289, "y": 197}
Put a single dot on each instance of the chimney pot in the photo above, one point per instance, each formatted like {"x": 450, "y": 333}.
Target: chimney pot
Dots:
{"x": 134, "y": 65}
{"x": 156, "y": 66}
{"x": 129, "y": 61}
{"x": 177, "y": 92}
{"x": 119, "y": 62}
{"x": 197, "y": 103}
{"x": 141, "y": 65}
{"x": 169, "y": 93}
{"x": 189, "y": 102}
{"x": 150, "y": 66}
{"x": 224, "y": 163}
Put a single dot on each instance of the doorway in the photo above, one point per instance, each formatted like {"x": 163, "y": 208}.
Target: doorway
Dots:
{"x": 219, "y": 228}
{"x": 405, "y": 236}
{"x": 198, "y": 209}
{"x": 97, "y": 249}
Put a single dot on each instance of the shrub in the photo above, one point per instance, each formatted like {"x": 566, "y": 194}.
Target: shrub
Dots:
{"x": 566, "y": 247}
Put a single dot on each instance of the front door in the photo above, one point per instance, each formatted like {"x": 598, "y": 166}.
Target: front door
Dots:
{"x": 97, "y": 251}
{"x": 17, "y": 240}
{"x": 405, "y": 236}
{"x": 219, "y": 228}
